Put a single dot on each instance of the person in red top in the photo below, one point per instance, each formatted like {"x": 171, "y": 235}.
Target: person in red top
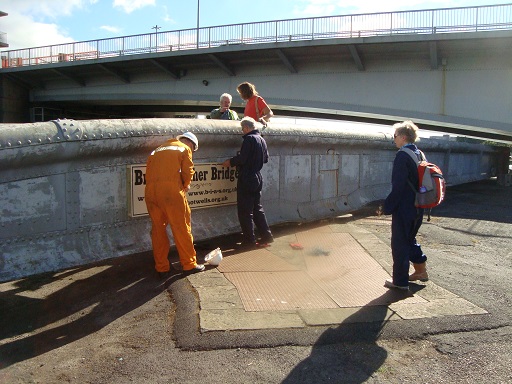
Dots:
{"x": 255, "y": 106}
{"x": 169, "y": 171}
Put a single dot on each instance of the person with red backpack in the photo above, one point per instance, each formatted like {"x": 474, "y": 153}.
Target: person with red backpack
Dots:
{"x": 406, "y": 216}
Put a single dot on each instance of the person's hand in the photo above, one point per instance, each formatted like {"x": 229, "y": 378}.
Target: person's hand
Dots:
{"x": 223, "y": 109}
{"x": 226, "y": 163}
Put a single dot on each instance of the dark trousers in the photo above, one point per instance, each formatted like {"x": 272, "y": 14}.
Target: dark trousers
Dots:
{"x": 404, "y": 247}
{"x": 250, "y": 210}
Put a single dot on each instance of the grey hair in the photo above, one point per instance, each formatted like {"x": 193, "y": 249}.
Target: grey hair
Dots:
{"x": 408, "y": 129}
{"x": 226, "y": 95}
{"x": 248, "y": 122}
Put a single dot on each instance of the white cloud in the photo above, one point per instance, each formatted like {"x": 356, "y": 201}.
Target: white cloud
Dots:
{"x": 46, "y": 9}
{"x": 24, "y": 32}
{"x": 166, "y": 16}
{"x": 371, "y": 6}
{"x": 33, "y": 23}
{"x": 312, "y": 8}
{"x": 131, "y": 5}
{"x": 110, "y": 28}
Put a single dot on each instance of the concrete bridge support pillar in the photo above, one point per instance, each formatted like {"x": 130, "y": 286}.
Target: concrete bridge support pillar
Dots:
{"x": 14, "y": 101}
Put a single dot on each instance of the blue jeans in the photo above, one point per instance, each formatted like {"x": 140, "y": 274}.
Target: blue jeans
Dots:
{"x": 250, "y": 210}
{"x": 404, "y": 247}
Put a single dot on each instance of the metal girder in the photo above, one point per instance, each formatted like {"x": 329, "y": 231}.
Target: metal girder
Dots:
{"x": 119, "y": 74}
{"x": 77, "y": 80}
{"x": 166, "y": 68}
{"x": 434, "y": 61}
{"x": 221, "y": 64}
{"x": 356, "y": 57}
{"x": 286, "y": 61}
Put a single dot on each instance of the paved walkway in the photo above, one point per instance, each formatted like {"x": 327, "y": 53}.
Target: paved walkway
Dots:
{"x": 321, "y": 274}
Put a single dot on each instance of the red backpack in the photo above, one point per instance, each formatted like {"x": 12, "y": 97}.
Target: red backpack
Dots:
{"x": 431, "y": 189}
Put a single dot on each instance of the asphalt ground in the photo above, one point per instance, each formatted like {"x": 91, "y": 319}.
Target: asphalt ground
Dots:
{"x": 115, "y": 321}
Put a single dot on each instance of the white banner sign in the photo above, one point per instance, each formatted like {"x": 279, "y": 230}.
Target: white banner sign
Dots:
{"x": 212, "y": 185}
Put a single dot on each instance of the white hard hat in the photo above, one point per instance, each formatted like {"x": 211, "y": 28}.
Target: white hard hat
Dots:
{"x": 214, "y": 257}
{"x": 191, "y": 137}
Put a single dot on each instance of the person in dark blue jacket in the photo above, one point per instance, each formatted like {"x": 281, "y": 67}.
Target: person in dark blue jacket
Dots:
{"x": 406, "y": 218}
{"x": 250, "y": 160}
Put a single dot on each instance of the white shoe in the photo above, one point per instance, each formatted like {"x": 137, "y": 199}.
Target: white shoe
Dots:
{"x": 389, "y": 284}
{"x": 196, "y": 269}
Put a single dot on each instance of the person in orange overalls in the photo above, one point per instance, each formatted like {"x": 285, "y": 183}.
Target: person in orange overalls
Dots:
{"x": 169, "y": 171}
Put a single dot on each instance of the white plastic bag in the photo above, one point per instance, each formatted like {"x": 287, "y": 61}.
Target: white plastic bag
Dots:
{"x": 214, "y": 257}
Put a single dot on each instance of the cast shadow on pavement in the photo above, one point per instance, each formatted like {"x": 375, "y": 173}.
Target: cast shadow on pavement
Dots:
{"x": 480, "y": 200}
{"x": 348, "y": 353}
{"x": 44, "y": 312}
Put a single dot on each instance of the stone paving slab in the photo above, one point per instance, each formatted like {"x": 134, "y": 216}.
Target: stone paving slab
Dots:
{"x": 436, "y": 308}
{"x": 317, "y": 317}
{"x": 239, "y": 319}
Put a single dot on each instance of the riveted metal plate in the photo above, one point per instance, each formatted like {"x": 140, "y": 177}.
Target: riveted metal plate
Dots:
{"x": 68, "y": 130}
{"x": 32, "y": 206}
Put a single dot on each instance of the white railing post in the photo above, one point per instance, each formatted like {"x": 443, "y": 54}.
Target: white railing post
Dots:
{"x": 476, "y": 20}
{"x": 433, "y": 28}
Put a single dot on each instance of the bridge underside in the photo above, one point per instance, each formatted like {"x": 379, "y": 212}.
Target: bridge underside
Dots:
{"x": 456, "y": 83}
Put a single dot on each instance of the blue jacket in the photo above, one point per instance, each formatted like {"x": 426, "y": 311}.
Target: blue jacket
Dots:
{"x": 250, "y": 159}
{"x": 401, "y": 198}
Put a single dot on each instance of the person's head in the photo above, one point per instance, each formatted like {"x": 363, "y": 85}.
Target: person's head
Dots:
{"x": 246, "y": 90}
{"x": 225, "y": 100}
{"x": 248, "y": 124}
{"x": 189, "y": 139}
{"x": 406, "y": 132}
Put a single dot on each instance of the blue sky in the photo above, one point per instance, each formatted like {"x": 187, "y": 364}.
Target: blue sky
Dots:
{"x": 32, "y": 23}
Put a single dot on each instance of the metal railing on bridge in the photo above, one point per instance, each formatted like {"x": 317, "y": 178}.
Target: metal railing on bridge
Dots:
{"x": 431, "y": 21}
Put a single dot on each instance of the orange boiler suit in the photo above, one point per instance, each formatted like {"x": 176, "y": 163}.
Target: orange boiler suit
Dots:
{"x": 169, "y": 170}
